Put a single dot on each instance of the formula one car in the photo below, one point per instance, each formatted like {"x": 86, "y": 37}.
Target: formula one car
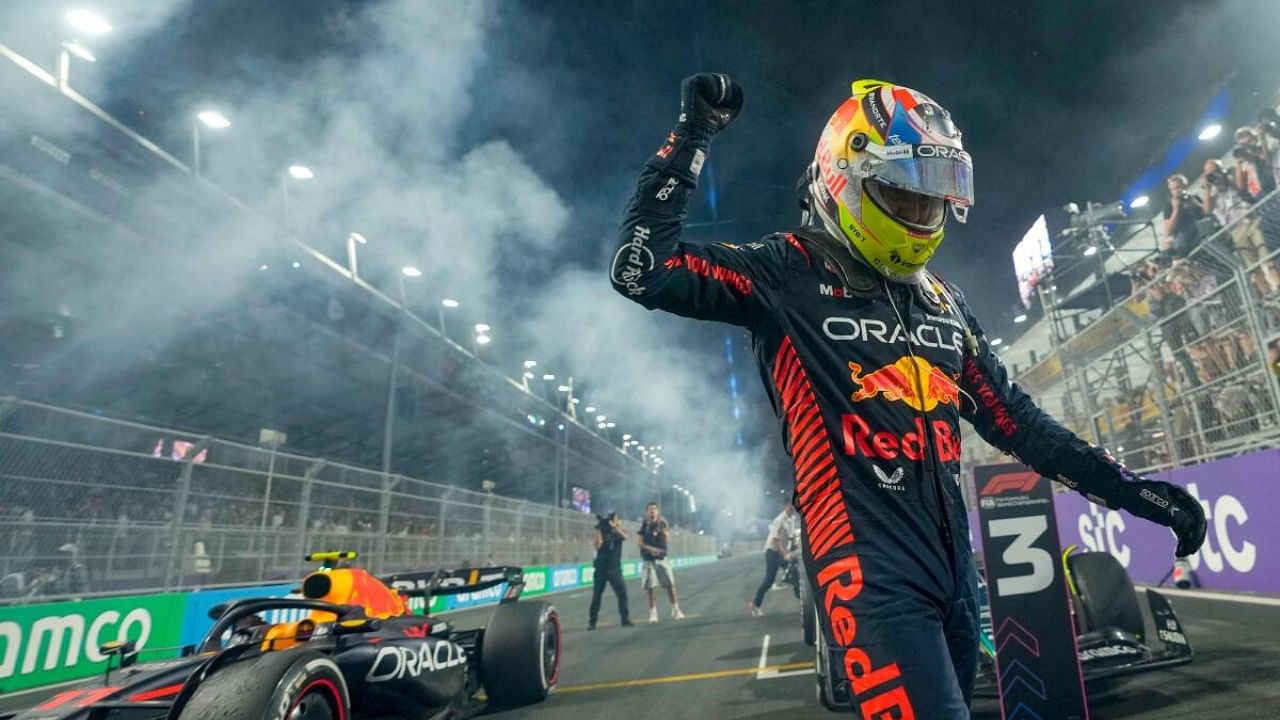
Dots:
{"x": 356, "y": 652}
{"x": 1110, "y": 630}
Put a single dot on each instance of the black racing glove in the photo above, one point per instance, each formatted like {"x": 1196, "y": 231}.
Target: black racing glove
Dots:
{"x": 1170, "y": 505}
{"x": 709, "y": 102}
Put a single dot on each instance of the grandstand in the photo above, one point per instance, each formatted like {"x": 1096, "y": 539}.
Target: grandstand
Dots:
{"x": 1167, "y": 359}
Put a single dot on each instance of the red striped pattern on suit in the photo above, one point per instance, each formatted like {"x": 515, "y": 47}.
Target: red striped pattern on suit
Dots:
{"x": 817, "y": 484}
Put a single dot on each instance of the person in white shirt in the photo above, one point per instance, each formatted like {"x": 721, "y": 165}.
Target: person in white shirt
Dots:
{"x": 775, "y": 554}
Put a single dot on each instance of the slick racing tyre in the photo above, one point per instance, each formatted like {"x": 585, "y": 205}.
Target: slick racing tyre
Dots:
{"x": 808, "y": 614}
{"x": 520, "y": 653}
{"x": 822, "y": 675}
{"x": 1106, "y": 593}
{"x": 284, "y": 685}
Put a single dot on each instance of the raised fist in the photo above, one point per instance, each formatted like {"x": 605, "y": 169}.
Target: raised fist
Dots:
{"x": 710, "y": 101}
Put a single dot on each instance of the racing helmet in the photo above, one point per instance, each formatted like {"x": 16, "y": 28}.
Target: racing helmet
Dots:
{"x": 888, "y": 165}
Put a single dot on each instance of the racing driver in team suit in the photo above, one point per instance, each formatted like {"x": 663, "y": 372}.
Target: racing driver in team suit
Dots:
{"x": 870, "y": 361}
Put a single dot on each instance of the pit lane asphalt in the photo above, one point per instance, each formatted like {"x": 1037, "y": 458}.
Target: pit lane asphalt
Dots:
{"x": 707, "y": 666}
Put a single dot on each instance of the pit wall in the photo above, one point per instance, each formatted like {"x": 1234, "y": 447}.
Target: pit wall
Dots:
{"x": 1241, "y": 552}
{"x": 48, "y": 643}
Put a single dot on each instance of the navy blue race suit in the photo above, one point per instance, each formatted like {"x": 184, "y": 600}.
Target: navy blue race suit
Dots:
{"x": 870, "y": 380}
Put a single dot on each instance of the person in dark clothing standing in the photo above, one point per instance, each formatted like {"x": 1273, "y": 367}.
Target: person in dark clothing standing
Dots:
{"x": 608, "y": 568}
{"x": 1182, "y": 218}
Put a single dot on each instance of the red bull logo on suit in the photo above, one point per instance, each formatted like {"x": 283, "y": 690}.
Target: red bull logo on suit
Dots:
{"x": 910, "y": 380}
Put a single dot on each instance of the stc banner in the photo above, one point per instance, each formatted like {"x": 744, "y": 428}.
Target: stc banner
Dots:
{"x": 1241, "y": 500}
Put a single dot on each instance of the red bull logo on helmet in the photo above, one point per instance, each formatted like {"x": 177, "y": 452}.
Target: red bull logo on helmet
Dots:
{"x": 910, "y": 380}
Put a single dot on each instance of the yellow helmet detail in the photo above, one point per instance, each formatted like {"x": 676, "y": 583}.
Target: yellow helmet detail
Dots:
{"x": 887, "y": 167}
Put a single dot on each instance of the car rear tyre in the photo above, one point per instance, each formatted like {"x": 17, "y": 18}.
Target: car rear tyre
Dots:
{"x": 284, "y": 685}
{"x": 520, "y": 653}
{"x": 822, "y": 675}
{"x": 808, "y": 614}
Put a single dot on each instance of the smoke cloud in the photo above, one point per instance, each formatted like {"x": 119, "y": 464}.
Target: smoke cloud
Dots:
{"x": 381, "y": 109}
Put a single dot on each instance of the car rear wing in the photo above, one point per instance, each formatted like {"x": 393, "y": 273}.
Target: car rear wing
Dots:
{"x": 427, "y": 583}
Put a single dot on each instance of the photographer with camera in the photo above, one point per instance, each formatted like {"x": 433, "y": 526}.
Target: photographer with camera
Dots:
{"x": 608, "y": 568}
{"x": 654, "y": 535}
{"x": 1254, "y": 178}
{"x": 1223, "y": 198}
{"x": 1181, "y": 218}
{"x": 1268, "y": 128}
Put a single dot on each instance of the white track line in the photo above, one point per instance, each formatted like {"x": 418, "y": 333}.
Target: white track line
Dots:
{"x": 764, "y": 656}
{"x": 770, "y": 673}
{"x": 1209, "y": 595}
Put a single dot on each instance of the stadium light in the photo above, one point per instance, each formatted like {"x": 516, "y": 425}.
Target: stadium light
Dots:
{"x": 214, "y": 119}
{"x": 1020, "y": 318}
{"x": 1139, "y": 202}
{"x": 410, "y": 271}
{"x": 449, "y": 303}
{"x": 79, "y": 51}
{"x": 577, "y": 400}
{"x": 531, "y": 363}
{"x": 301, "y": 172}
{"x": 528, "y": 376}
{"x": 548, "y": 376}
{"x": 591, "y": 408}
{"x": 564, "y": 388}
{"x": 483, "y": 339}
{"x": 600, "y": 418}
{"x": 87, "y": 21}
{"x": 997, "y": 342}
{"x": 265, "y": 267}
{"x": 296, "y": 264}
{"x": 482, "y": 328}
{"x": 627, "y": 436}
{"x": 1210, "y": 131}
{"x": 600, "y": 425}
{"x": 611, "y": 424}
{"x": 1091, "y": 251}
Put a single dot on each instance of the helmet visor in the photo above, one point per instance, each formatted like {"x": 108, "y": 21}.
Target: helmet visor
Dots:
{"x": 946, "y": 176}
{"x": 921, "y": 212}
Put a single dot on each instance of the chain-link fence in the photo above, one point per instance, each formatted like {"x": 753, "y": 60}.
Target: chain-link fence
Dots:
{"x": 90, "y": 505}
{"x": 1184, "y": 370}
{"x": 1196, "y": 382}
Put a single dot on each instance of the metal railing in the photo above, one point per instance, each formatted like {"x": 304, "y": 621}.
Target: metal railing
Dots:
{"x": 1187, "y": 369}
{"x": 90, "y": 505}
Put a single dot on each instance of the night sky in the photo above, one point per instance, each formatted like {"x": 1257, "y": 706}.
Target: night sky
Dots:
{"x": 1058, "y": 102}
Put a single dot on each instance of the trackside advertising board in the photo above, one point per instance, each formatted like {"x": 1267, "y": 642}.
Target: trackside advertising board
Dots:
{"x": 1036, "y": 661}
{"x": 54, "y": 642}
{"x": 1241, "y": 549}
{"x": 48, "y": 643}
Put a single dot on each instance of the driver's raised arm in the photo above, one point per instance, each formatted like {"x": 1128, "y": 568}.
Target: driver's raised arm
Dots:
{"x": 652, "y": 266}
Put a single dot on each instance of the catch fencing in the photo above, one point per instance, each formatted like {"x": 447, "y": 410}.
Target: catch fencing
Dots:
{"x": 90, "y": 505}
{"x": 1184, "y": 370}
